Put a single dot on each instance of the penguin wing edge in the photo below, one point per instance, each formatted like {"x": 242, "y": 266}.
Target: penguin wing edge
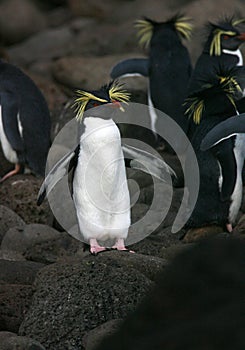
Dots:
{"x": 56, "y": 174}
{"x": 148, "y": 163}
{"x": 224, "y": 130}
{"x": 130, "y": 67}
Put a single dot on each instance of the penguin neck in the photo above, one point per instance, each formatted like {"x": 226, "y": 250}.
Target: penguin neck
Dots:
{"x": 93, "y": 123}
{"x": 235, "y": 53}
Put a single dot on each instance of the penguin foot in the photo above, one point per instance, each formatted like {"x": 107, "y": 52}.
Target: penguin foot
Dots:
{"x": 16, "y": 170}
{"x": 95, "y": 248}
{"x": 120, "y": 246}
{"x": 229, "y": 228}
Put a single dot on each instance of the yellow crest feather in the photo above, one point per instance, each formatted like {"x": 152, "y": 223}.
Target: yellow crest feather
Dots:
{"x": 196, "y": 109}
{"x": 184, "y": 27}
{"x": 145, "y": 31}
{"x": 82, "y": 100}
{"x": 215, "y": 47}
{"x": 117, "y": 93}
{"x": 236, "y": 22}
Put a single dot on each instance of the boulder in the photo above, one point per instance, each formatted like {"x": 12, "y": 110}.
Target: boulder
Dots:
{"x": 8, "y": 219}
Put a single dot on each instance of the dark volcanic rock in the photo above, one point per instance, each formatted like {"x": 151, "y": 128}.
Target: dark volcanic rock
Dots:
{"x": 8, "y": 219}
{"x": 18, "y": 272}
{"x": 14, "y": 303}
{"x": 19, "y": 193}
{"x": 11, "y": 341}
{"x": 40, "y": 243}
{"x": 71, "y": 299}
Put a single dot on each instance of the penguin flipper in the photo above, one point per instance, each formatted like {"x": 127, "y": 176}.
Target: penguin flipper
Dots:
{"x": 148, "y": 162}
{"x": 224, "y": 130}
{"x": 57, "y": 172}
{"x": 130, "y": 67}
{"x": 225, "y": 155}
{"x": 10, "y": 122}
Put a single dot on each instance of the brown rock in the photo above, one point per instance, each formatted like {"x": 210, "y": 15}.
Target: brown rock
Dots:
{"x": 19, "y": 19}
{"x": 18, "y": 272}
{"x": 196, "y": 234}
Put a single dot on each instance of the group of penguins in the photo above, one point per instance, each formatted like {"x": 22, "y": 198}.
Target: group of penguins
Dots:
{"x": 206, "y": 102}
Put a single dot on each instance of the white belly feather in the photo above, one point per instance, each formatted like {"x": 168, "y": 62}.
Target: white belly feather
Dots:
{"x": 100, "y": 188}
{"x": 8, "y": 151}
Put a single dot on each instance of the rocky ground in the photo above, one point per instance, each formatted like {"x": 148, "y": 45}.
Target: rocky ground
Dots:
{"x": 53, "y": 294}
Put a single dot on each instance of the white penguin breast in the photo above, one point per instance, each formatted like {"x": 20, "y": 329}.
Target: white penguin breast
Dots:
{"x": 8, "y": 151}
{"x": 100, "y": 186}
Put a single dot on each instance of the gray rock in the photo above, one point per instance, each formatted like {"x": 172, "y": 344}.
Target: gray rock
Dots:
{"x": 19, "y": 20}
{"x": 15, "y": 300}
{"x": 11, "y": 255}
{"x": 40, "y": 243}
{"x": 19, "y": 272}
{"x": 11, "y": 341}
{"x": 75, "y": 297}
{"x": 8, "y": 219}
{"x": 94, "y": 337}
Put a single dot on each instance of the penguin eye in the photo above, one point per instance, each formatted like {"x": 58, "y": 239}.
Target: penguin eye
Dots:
{"x": 226, "y": 37}
{"x": 95, "y": 104}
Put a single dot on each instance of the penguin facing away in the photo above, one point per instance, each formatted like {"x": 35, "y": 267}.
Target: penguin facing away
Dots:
{"x": 168, "y": 66}
{"x": 24, "y": 121}
{"x": 220, "y": 167}
{"x": 99, "y": 183}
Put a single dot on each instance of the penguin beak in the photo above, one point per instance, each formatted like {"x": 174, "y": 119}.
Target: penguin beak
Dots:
{"x": 241, "y": 37}
{"x": 118, "y": 105}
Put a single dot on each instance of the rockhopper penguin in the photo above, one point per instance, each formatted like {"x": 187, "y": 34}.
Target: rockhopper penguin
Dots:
{"x": 218, "y": 200}
{"x": 99, "y": 183}
{"x": 168, "y": 67}
{"x": 24, "y": 121}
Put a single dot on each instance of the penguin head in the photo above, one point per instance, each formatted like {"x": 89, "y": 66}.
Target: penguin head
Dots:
{"x": 150, "y": 31}
{"x": 225, "y": 35}
{"x": 113, "y": 94}
{"x": 217, "y": 96}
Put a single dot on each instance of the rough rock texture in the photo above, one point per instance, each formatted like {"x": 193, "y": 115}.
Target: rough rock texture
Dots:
{"x": 8, "y": 219}
{"x": 11, "y": 341}
{"x": 86, "y": 294}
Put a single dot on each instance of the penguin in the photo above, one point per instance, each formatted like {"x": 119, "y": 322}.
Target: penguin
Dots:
{"x": 219, "y": 167}
{"x": 168, "y": 67}
{"x": 99, "y": 183}
{"x": 24, "y": 121}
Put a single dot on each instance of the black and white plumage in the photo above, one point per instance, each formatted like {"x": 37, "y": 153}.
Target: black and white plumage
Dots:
{"x": 99, "y": 183}
{"x": 168, "y": 67}
{"x": 24, "y": 121}
{"x": 220, "y": 168}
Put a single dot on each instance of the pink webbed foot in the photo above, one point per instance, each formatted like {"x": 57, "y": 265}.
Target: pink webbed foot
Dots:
{"x": 95, "y": 248}
{"x": 119, "y": 245}
{"x": 16, "y": 170}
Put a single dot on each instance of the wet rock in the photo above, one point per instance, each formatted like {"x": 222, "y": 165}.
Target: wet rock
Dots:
{"x": 19, "y": 20}
{"x": 95, "y": 336}
{"x": 198, "y": 233}
{"x": 86, "y": 294}
{"x": 14, "y": 303}
{"x": 18, "y": 272}
{"x": 11, "y": 341}
{"x": 8, "y": 219}
{"x": 19, "y": 193}
{"x": 40, "y": 243}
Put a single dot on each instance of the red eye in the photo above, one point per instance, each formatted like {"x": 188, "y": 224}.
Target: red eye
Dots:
{"x": 95, "y": 104}
{"x": 226, "y": 37}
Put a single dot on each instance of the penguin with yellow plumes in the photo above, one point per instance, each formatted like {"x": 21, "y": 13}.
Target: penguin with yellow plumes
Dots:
{"x": 99, "y": 184}
{"x": 220, "y": 167}
{"x": 168, "y": 68}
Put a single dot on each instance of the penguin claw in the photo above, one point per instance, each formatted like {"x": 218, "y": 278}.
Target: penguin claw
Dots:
{"x": 95, "y": 250}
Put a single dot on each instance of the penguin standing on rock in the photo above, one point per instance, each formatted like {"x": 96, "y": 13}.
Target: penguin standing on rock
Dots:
{"x": 24, "y": 121}
{"x": 99, "y": 184}
{"x": 220, "y": 170}
{"x": 168, "y": 67}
